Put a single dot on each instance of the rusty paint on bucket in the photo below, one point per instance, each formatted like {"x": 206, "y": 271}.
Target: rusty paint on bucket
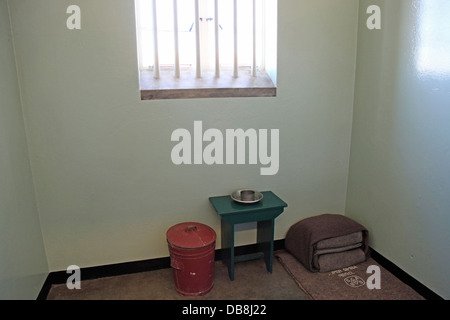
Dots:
{"x": 192, "y": 248}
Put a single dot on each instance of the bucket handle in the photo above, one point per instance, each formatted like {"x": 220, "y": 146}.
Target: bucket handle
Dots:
{"x": 191, "y": 228}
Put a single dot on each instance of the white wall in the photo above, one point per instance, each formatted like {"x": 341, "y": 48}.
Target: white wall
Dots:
{"x": 399, "y": 181}
{"x": 23, "y": 264}
{"x": 107, "y": 188}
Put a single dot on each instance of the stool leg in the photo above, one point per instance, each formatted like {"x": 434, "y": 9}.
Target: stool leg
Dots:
{"x": 265, "y": 236}
{"x": 227, "y": 231}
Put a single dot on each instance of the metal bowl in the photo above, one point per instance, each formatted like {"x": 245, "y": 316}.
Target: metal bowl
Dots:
{"x": 247, "y": 196}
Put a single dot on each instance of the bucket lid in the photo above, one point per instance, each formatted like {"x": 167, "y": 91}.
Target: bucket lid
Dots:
{"x": 190, "y": 235}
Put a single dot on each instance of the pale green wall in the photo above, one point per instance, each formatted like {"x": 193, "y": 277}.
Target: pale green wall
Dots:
{"x": 399, "y": 182}
{"x": 106, "y": 186}
{"x": 108, "y": 191}
{"x": 23, "y": 264}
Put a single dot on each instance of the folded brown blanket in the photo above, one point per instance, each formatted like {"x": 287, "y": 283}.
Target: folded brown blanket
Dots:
{"x": 319, "y": 241}
{"x": 334, "y": 261}
{"x": 342, "y": 241}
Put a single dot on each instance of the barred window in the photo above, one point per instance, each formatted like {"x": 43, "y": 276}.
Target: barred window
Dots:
{"x": 211, "y": 48}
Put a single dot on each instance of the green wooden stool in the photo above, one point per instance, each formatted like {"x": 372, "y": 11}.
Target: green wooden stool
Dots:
{"x": 232, "y": 213}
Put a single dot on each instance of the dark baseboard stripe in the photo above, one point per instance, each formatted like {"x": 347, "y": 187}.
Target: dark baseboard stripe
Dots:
{"x": 89, "y": 273}
{"x": 404, "y": 277}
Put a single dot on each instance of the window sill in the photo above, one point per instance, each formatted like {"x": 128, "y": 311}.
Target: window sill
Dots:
{"x": 208, "y": 86}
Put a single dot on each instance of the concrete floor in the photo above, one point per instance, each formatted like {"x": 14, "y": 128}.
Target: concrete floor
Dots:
{"x": 252, "y": 282}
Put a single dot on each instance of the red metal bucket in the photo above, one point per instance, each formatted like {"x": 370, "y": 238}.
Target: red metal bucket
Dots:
{"x": 191, "y": 247}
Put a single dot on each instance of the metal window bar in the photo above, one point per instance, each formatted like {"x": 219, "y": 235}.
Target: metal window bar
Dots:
{"x": 175, "y": 37}
{"x": 235, "y": 33}
{"x": 216, "y": 36}
{"x": 155, "y": 41}
{"x": 197, "y": 39}
{"x": 254, "y": 39}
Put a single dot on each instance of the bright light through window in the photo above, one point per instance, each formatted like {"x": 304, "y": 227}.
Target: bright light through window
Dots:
{"x": 187, "y": 37}
{"x": 206, "y": 48}
{"x": 434, "y": 37}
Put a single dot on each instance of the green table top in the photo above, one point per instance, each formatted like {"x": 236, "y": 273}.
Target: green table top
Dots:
{"x": 225, "y": 205}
